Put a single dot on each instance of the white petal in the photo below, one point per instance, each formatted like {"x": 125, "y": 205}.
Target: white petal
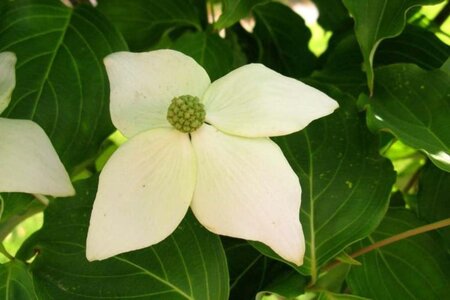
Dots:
{"x": 7, "y": 78}
{"x": 28, "y": 161}
{"x": 254, "y": 101}
{"x": 143, "y": 84}
{"x": 246, "y": 189}
{"x": 144, "y": 192}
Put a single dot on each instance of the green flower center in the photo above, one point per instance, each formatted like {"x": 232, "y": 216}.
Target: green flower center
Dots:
{"x": 186, "y": 113}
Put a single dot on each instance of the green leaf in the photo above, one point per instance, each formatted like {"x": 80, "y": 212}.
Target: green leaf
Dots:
{"x": 345, "y": 182}
{"x": 234, "y": 10}
{"x": 433, "y": 198}
{"x": 413, "y": 268}
{"x": 333, "y": 15}
{"x": 415, "y": 45}
{"x": 61, "y": 81}
{"x": 17, "y": 207}
{"x": 284, "y": 40}
{"x": 251, "y": 272}
{"x": 376, "y": 20}
{"x": 333, "y": 279}
{"x": 334, "y": 296}
{"x": 414, "y": 105}
{"x": 190, "y": 264}
{"x": 342, "y": 66}
{"x": 16, "y": 281}
{"x": 288, "y": 286}
{"x": 209, "y": 50}
{"x": 343, "y": 60}
{"x": 143, "y": 22}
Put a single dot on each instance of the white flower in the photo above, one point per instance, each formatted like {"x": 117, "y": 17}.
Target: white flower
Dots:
{"x": 235, "y": 179}
{"x": 28, "y": 162}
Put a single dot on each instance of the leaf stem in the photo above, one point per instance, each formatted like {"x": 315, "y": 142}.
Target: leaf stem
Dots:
{"x": 393, "y": 239}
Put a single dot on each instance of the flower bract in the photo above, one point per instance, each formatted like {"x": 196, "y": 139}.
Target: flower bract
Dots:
{"x": 28, "y": 161}
{"x": 234, "y": 178}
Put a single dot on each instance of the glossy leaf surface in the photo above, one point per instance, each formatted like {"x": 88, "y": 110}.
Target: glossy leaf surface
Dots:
{"x": 190, "y": 264}
{"x": 413, "y": 268}
{"x": 61, "y": 81}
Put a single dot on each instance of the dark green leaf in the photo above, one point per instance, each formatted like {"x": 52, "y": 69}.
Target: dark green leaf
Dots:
{"x": 376, "y": 20}
{"x": 284, "y": 40}
{"x": 343, "y": 60}
{"x": 415, "y": 45}
{"x": 288, "y": 286}
{"x": 190, "y": 264}
{"x": 413, "y": 268}
{"x": 251, "y": 272}
{"x": 248, "y": 43}
{"x": 333, "y": 280}
{"x": 433, "y": 200}
{"x": 333, "y": 15}
{"x": 333, "y": 296}
{"x": 209, "y": 50}
{"x": 16, "y": 281}
{"x": 414, "y": 105}
{"x": 343, "y": 66}
{"x": 61, "y": 81}
{"x": 345, "y": 182}
{"x": 234, "y": 10}
{"x": 143, "y": 22}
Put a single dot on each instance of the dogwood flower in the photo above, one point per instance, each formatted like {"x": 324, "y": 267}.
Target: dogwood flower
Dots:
{"x": 193, "y": 143}
{"x": 28, "y": 162}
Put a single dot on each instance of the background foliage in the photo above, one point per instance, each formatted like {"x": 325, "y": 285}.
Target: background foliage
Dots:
{"x": 376, "y": 167}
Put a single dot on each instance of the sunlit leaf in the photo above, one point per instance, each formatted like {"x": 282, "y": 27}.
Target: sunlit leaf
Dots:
{"x": 376, "y": 20}
{"x": 414, "y": 105}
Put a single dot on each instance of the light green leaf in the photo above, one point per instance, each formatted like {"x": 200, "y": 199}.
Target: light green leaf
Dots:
{"x": 433, "y": 199}
{"x": 284, "y": 40}
{"x": 143, "y": 22}
{"x": 414, "y": 105}
{"x": 376, "y": 20}
{"x": 345, "y": 258}
{"x": 61, "y": 81}
{"x": 413, "y": 268}
{"x": 234, "y": 10}
{"x": 16, "y": 281}
{"x": 190, "y": 264}
{"x": 345, "y": 182}
{"x": 17, "y": 207}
